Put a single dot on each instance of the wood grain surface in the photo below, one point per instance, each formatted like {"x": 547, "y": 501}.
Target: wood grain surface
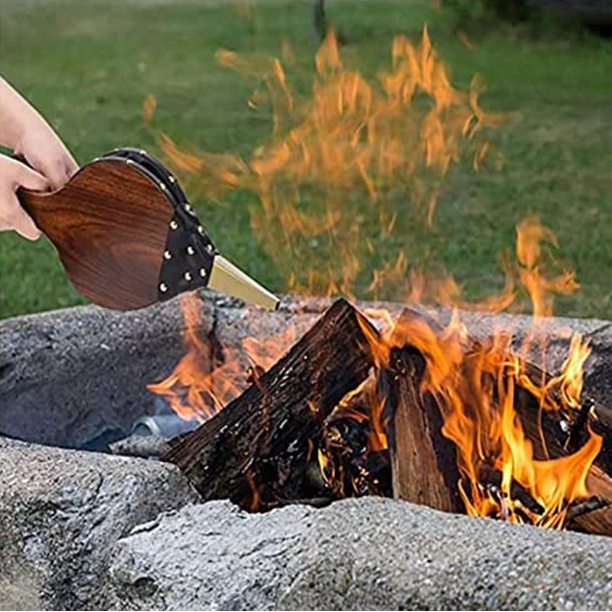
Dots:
{"x": 109, "y": 224}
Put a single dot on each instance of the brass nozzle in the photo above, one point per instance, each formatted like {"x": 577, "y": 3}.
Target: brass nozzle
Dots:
{"x": 227, "y": 278}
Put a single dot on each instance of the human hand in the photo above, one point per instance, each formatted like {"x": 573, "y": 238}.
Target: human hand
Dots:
{"x": 43, "y": 150}
{"x": 13, "y": 175}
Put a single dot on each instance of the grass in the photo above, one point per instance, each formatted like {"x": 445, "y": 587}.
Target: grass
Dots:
{"x": 87, "y": 66}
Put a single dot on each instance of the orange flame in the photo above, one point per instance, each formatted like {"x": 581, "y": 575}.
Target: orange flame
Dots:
{"x": 476, "y": 385}
{"x": 352, "y": 143}
{"x": 209, "y": 375}
{"x": 200, "y": 385}
{"x": 355, "y": 140}
{"x": 149, "y": 104}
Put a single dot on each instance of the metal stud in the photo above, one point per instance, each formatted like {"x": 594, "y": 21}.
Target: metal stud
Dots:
{"x": 187, "y": 276}
{"x": 173, "y": 224}
{"x": 129, "y": 161}
{"x": 203, "y": 272}
{"x": 162, "y": 186}
{"x": 143, "y": 152}
{"x": 210, "y": 248}
{"x": 163, "y": 287}
{"x": 171, "y": 179}
{"x": 190, "y": 250}
{"x": 200, "y": 229}
{"x": 167, "y": 255}
{"x": 188, "y": 207}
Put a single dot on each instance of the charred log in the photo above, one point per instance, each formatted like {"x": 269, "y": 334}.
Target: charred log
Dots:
{"x": 262, "y": 445}
{"x": 490, "y": 477}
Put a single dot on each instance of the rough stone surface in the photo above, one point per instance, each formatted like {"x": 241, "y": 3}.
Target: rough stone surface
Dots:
{"x": 69, "y": 375}
{"x": 61, "y": 512}
{"x": 599, "y": 366}
{"x": 355, "y": 554}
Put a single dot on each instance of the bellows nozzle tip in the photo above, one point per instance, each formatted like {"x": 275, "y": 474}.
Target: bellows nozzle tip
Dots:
{"x": 227, "y": 278}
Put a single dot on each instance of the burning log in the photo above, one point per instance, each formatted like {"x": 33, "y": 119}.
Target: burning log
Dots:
{"x": 423, "y": 462}
{"x": 553, "y": 436}
{"x": 260, "y": 446}
{"x": 568, "y": 435}
{"x": 422, "y": 459}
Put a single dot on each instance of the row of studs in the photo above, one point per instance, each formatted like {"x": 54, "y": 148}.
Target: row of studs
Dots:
{"x": 174, "y": 225}
{"x": 190, "y": 251}
{"x": 186, "y": 205}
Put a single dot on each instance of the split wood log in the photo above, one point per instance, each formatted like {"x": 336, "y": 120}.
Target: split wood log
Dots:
{"x": 261, "y": 443}
{"x": 599, "y": 519}
{"x": 423, "y": 462}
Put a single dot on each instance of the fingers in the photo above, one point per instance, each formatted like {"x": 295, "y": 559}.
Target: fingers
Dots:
{"x": 56, "y": 171}
{"x": 59, "y": 171}
{"x": 12, "y": 216}
{"x": 19, "y": 221}
{"x": 71, "y": 165}
{"x": 47, "y": 154}
{"x": 30, "y": 179}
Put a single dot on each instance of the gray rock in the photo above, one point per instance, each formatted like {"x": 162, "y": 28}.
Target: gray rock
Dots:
{"x": 599, "y": 367}
{"x": 70, "y": 375}
{"x": 355, "y": 554}
{"x": 60, "y": 514}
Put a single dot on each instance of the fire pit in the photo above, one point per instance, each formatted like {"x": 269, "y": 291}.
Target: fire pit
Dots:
{"x": 78, "y": 379}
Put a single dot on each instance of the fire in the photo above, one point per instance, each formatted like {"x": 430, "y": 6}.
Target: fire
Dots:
{"x": 354, "y": 140}
{"x": 209, "y": 375}
{"x": 531, "y": 236}
{"x": 341, "y": 164}
{"x": 477, "y": 386}
{"x": 202, "y": 381}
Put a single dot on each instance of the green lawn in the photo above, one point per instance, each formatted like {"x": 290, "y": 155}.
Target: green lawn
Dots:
{"x": 87, "y": 66}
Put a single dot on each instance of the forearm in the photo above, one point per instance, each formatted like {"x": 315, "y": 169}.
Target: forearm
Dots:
{"x": 16, "y": 116}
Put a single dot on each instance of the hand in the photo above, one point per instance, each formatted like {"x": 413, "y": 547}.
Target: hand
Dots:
{"x": 13, "y": 175}
{"x": 42, "y": 148}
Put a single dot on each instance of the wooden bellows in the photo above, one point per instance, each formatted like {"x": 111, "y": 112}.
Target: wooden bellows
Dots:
{"x": 127, "y": 236}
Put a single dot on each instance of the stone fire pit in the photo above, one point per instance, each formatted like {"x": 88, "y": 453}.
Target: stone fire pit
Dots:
{"x": 85, "y": 529}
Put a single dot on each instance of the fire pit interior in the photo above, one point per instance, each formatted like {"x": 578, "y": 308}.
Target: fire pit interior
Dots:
{"x": 318, "y": 402}
{"x": 306, "y": 406}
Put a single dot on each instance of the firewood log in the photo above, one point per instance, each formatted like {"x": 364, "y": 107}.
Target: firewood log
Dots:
{"x": 261, "y": 443}
{"x": 422, "y": 460}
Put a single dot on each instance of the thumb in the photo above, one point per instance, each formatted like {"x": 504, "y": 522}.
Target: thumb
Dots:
{"x": 30, "y": 179}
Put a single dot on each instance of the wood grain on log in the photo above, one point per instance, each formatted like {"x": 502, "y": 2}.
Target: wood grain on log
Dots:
{"x": 423, "y": 462}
